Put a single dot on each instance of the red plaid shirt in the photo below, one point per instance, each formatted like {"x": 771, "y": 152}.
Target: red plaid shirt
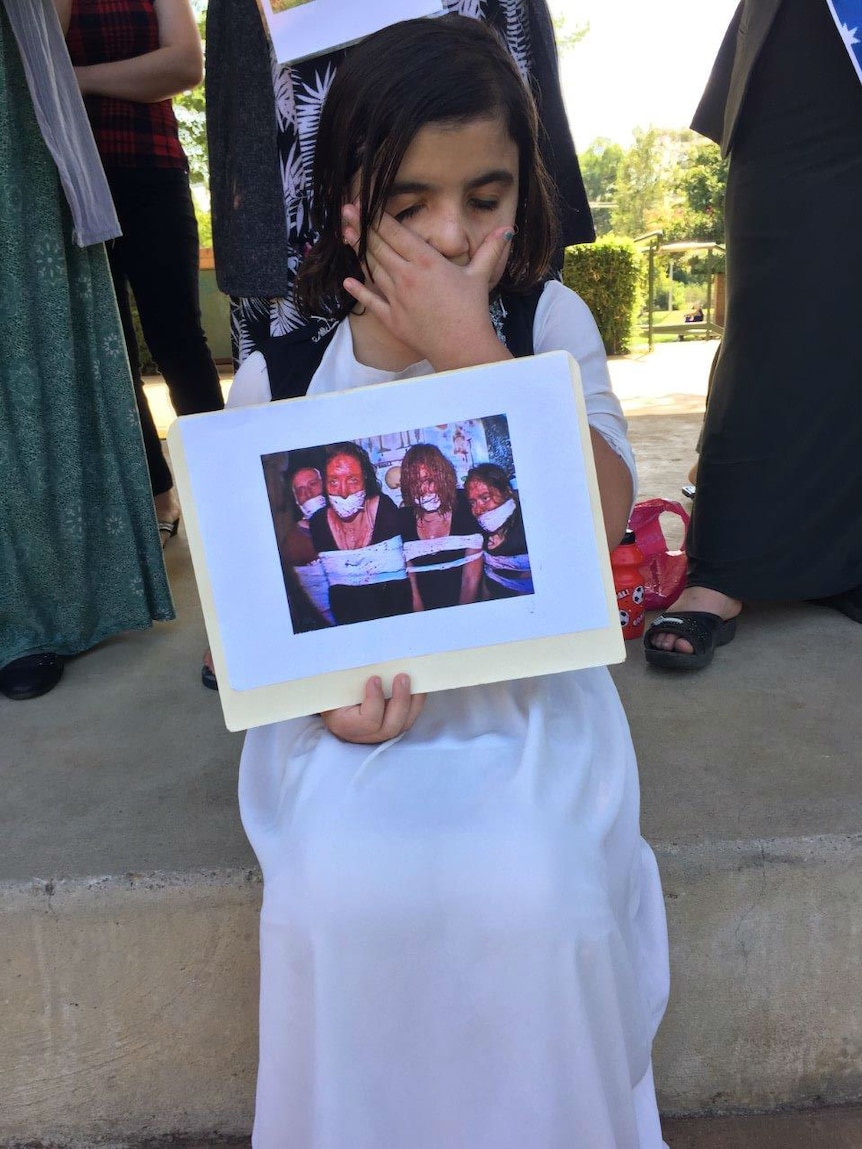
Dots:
{"x": 128, "y": 133}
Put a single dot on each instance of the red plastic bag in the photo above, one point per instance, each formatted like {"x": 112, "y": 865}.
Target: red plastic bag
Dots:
{"x": 663, "y": 570}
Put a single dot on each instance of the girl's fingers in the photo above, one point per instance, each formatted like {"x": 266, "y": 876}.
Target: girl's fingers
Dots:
{"x": 491, "y": 258}
{"x": 390, "y": 242}
{"x": 389, "y": 233}
{"x": 417, "y": 701}
{"x": 370, "y": 299}
{"x": 398, "y": 716}
{"x": 383, "y": 260}
{"x": 375, "y": 719}
{"x": 373, "y": 705}
{"x": 379, "y": 276}
{"x": 372, "y": 255}
{"x": 398, "y": 243}
{"x": 388, "y": 719}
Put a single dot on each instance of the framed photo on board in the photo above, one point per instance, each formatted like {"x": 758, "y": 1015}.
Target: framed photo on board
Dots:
{"x": 302, "y": 28}
{"x": 448, "y": 526}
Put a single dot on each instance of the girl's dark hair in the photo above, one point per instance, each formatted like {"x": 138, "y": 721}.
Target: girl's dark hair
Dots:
{"x": 449, "y": 69}
{"x": 439, "y": 468}
{"x": 369, "y": 476}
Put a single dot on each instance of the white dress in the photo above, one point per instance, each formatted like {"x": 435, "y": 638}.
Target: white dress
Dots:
{"x": 463, "y": 942}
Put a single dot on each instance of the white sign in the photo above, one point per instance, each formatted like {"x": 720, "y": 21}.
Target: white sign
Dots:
{"x": 303, "y": 28}
{"x": 544, "y": 604}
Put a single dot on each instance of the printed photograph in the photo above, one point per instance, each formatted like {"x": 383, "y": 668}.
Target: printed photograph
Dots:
{"x": 296, "y": 35}
{"x": 284, "y": 5}
{"x": 399, "y": 523}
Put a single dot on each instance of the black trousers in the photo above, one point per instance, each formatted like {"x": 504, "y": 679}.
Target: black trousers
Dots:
{"x": 157, "y": 257}
{"x": 778, "y": 512}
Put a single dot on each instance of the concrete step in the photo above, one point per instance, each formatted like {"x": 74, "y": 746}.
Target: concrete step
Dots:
{"x": 129, "y": 894}
{"x": 818, "y": 1129}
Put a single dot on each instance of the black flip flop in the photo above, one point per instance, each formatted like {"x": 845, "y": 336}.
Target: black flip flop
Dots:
{"x": 705, "y": 631}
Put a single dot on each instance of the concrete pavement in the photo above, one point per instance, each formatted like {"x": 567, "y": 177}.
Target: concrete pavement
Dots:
{"x": 129, "y": 894}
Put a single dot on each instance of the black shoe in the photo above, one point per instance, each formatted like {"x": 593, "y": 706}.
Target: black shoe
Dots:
{"x": 31, "y": 676}
{"x": 208, "y": 678}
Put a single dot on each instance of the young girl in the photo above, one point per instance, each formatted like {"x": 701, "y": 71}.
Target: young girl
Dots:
{"x": 463, "y": 942}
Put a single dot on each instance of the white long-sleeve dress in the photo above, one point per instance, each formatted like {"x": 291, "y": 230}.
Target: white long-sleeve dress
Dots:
{"x": 463, "y": 942}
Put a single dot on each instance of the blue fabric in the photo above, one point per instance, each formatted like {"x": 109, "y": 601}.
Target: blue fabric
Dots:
{"x": 848, "y": 17}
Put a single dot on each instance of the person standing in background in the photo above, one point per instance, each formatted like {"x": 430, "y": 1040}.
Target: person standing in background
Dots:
{"x": 79, "y": 550}
{"x": 130, "y": 57}
{"x": 778, "y": 510}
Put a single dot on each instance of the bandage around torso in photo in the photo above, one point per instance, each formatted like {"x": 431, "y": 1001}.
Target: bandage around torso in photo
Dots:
{"x": 423, "y": 547}
{"x": 366, "y": 566}
{"x": 312, "y": 578}
{"x": 511, "y": 571}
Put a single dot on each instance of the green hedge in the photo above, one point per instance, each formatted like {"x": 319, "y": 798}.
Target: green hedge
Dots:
{"x": 607, "y": 275}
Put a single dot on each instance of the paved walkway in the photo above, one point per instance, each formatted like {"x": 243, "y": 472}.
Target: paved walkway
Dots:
{"x": 670, "y": 380}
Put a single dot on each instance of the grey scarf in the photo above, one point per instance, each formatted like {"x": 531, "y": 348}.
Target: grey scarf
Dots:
{"x": 63, "y": 119}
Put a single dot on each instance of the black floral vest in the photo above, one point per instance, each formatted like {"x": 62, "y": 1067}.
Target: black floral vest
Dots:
{"x": 292, "y": 359}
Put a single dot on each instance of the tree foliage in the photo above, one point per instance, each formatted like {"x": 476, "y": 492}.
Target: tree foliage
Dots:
{"x": 599, "y": 166}
{"x": 646, "y": 197}
{"x": 567, "y": 36}
{"x": 668, "y": 180}
{"x": 191, "y": 119}
{"x": 701, "y": 184}
{"x": 190, "y": 111}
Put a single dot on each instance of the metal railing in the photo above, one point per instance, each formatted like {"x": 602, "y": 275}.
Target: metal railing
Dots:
{"x": 656, "y": 248}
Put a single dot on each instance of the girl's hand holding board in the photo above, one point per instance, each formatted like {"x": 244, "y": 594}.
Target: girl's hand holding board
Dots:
{"x": 376, "y": 719}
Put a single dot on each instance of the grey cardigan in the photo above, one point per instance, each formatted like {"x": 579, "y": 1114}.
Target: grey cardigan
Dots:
{"x": 62, "y": 119}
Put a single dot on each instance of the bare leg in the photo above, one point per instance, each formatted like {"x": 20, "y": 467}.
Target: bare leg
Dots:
{"x": 167, "y": 512}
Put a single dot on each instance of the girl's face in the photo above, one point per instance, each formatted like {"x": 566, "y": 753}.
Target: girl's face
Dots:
{"x": 456, "y": 183}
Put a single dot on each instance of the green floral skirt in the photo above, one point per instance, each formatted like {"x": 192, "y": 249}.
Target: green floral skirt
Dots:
{"x": 80, "y": 557}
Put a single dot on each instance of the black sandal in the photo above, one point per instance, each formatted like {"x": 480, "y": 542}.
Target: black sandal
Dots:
{"x": 167, "y": 530}
{"x": 705, "y": 631}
